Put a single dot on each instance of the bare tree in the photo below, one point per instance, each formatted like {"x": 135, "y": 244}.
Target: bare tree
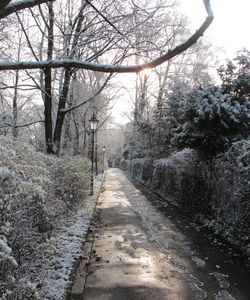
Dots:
{"x": 87, "y": 35}
{"x": 73, "y": 63}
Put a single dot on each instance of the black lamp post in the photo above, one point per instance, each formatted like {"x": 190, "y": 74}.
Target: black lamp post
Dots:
{"x": 103, "y": 158}
{"x": 96, "y": 155}
{"x": 93, "y": 124}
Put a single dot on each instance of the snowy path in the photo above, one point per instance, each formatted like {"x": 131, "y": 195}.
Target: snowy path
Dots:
{"x": 140, "y": 254}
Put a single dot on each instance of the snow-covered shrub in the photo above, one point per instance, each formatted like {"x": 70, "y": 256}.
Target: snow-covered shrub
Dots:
{"x": 213, "y": 122}
{"x": 216, "y": 191}
{"x": 69, "y": 186}
{"x": 215, "y": 117}
{"x": 5, "y": 173}
{"x": 5, "y": 119}
{"x": 7, "y": 265}
{"x": 177, "y": 179}
{"x": 235, "y": 75}
{"x": 137, "y": 168}
{"x": 24, "y": 290}
{"x": 121, "y": 162}
{"x": 231, "y": 186}
{"x": 36, "y": 190}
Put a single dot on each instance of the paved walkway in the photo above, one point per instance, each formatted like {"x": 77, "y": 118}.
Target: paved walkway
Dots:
{"x": 139, "y": 255}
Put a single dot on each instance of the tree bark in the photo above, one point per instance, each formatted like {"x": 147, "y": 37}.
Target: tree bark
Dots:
{"x": 76, "y": 139}
{"x": 66, "y": 85}
{"x": 48, "y": 85}
{"x": 14, "y": 107}
{"x": 66, "y": 140}
{"x": 47, "y": 111}
{"x": 60, "y": 114}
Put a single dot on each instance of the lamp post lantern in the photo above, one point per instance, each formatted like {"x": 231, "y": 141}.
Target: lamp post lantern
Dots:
{"x": 103, "y": 158}
{"x": 93, "y": 124}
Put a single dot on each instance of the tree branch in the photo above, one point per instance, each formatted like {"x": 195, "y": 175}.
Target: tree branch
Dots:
{"x": 66, "y": 110}
{"x": 106, "y": 19}
{"x": 69, "y": 63}
{"x": 4, "y": 3}
{"x": 22, "y": 125}
{"x": 27, "y": 38}
{"x": 18, "y": 5}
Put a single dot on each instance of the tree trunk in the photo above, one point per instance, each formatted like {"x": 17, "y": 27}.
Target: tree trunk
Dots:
{"x": 14, "y": 104}
{"x": 47, "y": 85}
{"x": 60, "y": 114}
{"x": 76, "y": 139}
{"x": 14, "y": 107}
{"x": 47, "y": 111}
{"x": 66, "y": 140}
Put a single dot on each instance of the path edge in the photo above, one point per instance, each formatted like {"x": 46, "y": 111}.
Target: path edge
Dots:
{"x": 74, "y": 293}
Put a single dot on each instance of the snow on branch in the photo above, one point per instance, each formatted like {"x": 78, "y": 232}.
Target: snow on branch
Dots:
{"x": 11, "y": 7}
{"x": 22, "y": 125}
{"x": 106, "y": 68}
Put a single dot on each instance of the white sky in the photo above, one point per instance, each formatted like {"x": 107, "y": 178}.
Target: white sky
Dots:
{"x": 231, "y": 26}
{"x": 230, "y": 31}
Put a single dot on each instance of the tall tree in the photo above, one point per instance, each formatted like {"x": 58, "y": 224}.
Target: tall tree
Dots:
{"x": 90, "y": 35}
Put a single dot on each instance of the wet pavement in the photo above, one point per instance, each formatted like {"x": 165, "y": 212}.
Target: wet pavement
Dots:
{"x": 138, "y": 253}
{"x": 214, "y": 249}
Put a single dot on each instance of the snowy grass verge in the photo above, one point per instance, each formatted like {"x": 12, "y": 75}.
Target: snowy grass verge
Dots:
{"x": 64, "y": 249}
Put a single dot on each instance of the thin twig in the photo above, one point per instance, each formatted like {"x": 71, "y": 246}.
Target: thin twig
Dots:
{"x": 22, "y": 125}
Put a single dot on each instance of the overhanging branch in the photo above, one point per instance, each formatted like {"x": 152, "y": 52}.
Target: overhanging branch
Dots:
{"x": 13, "y": 7}
{"x": 66, "y": 63}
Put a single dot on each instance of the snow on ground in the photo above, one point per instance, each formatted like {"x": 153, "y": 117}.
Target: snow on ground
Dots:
{"x": 196, "y": 286}
{"x": 64, "y": 249}
{"x": 221, "y": 278}
{"x": 199, "y": 262}
{"x": 224, "y": 295}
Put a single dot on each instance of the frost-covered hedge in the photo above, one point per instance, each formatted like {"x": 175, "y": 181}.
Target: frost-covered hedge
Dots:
{"x": 36, "y": 191}
{"x": 231, "y": 201}
{"x": 216, "y": 191}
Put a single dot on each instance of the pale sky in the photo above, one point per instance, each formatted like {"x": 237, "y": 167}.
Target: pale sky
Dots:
{"x": 230, "y": 31}
{"x": 231, "y": 26}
